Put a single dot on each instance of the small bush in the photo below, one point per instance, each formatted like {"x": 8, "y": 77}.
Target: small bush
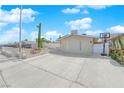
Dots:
{"x": 117, "y": 55}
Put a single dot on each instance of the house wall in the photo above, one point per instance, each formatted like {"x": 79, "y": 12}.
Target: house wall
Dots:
{"x": 87, "y": 45}
{"x": 77, "y": 44}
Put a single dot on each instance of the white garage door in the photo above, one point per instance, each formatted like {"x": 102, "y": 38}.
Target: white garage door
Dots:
{"x": 86, "y": 46}
{"x": 73, "y": 45}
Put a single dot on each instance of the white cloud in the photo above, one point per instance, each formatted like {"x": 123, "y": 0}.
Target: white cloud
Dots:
{"x": 80, "y": 6}
{"x": 85, "y": 11}
{"x": 98, "y": 7}
{"x": 116, "y": 29}
{"x": 79, "y": 24}
{"x": 94, "y": 33}
{"x": 78, "y": 9}
{"x": 2, "y": 24}
{"x": 52, "y": 34}
{"x": 34, "y": 35}
{"x": 13, "y": 15}
{"x": 11, "y": 35}
{"x": 71, "y": 10}
{"x": 113, "y": 29}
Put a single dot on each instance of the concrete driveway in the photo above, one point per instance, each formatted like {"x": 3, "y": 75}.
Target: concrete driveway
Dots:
{"x": 62, "y": 70}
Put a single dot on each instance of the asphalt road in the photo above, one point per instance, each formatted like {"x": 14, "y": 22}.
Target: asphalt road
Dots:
{"x": 61, "y": 70}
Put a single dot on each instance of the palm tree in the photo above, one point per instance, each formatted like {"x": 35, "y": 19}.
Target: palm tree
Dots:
{"x": 120, "y": 42}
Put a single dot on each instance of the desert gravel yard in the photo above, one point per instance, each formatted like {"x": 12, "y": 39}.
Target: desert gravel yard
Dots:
{"x": 61, "y": 70}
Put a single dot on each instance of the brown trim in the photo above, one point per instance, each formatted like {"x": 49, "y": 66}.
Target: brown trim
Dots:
{"x": 97, "y": 42}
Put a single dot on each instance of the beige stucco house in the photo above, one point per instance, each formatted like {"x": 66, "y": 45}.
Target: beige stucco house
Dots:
{"x": 75, "y": 43}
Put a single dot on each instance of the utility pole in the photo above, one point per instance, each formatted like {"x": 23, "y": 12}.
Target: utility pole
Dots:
{"x": 20, "y": 31}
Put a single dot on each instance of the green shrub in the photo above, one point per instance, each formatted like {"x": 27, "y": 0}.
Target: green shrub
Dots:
{"x": 116, "y": 55}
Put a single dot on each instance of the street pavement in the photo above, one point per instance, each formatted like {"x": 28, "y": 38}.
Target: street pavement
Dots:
{"x": 60, "y": 70}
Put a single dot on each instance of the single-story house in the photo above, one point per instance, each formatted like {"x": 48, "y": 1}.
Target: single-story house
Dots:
{"x": 75, "y": 43}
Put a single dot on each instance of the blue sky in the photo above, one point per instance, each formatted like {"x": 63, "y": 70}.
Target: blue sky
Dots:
{"x": 60, "y": 20}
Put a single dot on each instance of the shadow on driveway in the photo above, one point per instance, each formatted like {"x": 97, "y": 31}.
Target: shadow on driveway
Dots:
{"x": 62, "y": 53}
{"x": 91, "y": 56}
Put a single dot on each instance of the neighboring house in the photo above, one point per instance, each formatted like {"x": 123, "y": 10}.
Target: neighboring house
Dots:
{"x": 75, "y": 43}
{"x": 117, "y": 41}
